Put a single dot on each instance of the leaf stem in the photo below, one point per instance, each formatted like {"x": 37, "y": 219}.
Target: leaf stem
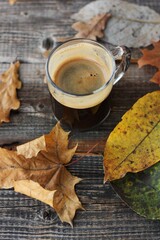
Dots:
{"x": 82, "y": 156}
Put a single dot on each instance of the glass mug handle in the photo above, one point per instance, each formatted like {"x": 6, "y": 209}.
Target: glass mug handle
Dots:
{"x": 123, "y": 54}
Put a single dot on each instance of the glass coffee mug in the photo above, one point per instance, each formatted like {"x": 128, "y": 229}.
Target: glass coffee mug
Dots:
{"x": 80, "y": 75}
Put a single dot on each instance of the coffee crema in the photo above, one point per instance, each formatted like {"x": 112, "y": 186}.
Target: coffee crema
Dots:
{"x": 80, "y": 76}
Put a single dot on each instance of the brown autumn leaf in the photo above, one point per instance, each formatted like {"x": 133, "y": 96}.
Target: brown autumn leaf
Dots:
{"x": 9, "y": 82}
{"x": 152, "y": 57}
{"x": 131, "y": 25}
{"x": 134, "y": 144}
{"x": 12, "y": 2}
{"x": 32, "y": 148}
{"x": 93, "y": 28}
{"x": 43, "y": 176}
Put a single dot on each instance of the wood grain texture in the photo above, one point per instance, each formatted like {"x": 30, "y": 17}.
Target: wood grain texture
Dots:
{"x": 23, "y": 27}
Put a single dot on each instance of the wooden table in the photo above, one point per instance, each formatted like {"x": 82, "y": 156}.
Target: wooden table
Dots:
{"x": 23, "y": 28}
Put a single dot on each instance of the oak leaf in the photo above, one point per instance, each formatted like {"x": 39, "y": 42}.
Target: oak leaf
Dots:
{"x": 43, "y": 176}
{"x": 152, "y": 57}
{"x": 93, "y": 28}
{"x": 131, "y": 25}
{"x": 134, "y": 144}
{"x": 9, "y": 82}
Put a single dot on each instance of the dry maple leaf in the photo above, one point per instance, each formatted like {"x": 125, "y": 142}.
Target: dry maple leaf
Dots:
{"x": 43, "y": 176}
{"x": 152, "y": 57}
{"x": 9, "y": 82}
{"x": 93, "y": 28}
{"x": 134, "y": 144}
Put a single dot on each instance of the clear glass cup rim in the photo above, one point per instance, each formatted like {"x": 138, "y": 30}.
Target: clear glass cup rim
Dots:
{"x": 49, "y": 79}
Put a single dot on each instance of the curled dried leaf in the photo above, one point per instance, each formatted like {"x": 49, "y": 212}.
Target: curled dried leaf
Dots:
{"x": 9, "y": 83}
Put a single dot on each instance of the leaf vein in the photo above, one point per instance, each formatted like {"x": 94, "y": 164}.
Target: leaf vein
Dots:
{"x": 136, "y": 146}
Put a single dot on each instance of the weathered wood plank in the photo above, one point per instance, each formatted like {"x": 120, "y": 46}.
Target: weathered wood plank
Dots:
{"x": 105, "y": 215}
{"x": 23, "y": 27}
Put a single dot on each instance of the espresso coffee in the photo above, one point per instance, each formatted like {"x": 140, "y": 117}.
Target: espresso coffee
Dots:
{"x": 81, "y": 81}
{"x": 80, "y": 76}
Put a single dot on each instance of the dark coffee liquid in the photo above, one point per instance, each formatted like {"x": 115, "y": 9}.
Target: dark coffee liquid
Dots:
{"x": 81, "y": 119}
{"x": 80, "y": 76}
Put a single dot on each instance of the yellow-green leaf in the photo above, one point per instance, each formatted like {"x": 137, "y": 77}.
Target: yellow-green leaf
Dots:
{"x": 134, "y": 144}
